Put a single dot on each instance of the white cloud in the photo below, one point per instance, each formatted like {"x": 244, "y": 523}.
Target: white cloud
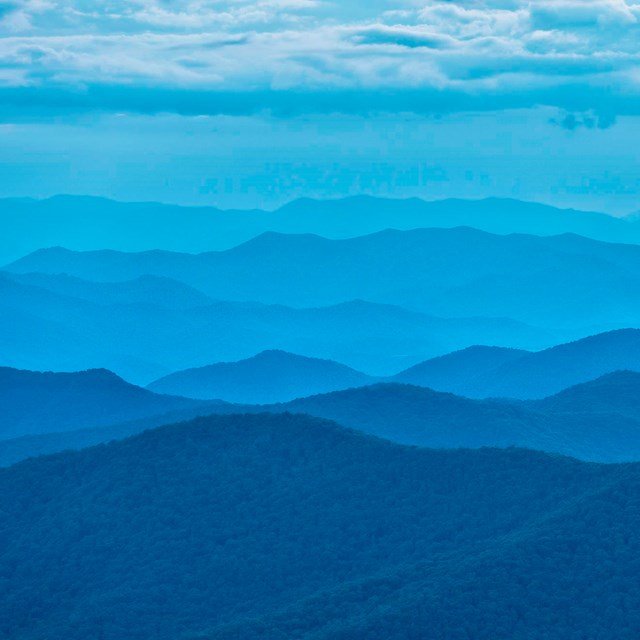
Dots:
{"x": 548, "y": 51}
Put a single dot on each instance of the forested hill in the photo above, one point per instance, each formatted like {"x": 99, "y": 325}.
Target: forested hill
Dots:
{"x": 412, "y": 415}
{"x": 615, "y": 393}
{"x": 481, "y": 372}
{"x": 39, "y": 402}
{"x": 212, "y": 527}
{"x": 268, "y": 377}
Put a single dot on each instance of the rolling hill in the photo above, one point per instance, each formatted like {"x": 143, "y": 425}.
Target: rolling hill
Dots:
{"x": 408, "y": 415}
{"x": 41, "y": 402}
{"x": 289, "y": 527}
{"x": 529, "y": 375}
{"x": 614, "y": 393}
{"x": 453, "y": 371}
{"x": 268, "y": 377}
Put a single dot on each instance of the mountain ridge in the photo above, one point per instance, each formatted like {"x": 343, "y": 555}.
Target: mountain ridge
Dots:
{"x": 268, "y": 377}
{"x": 101, "y": 221}
{"x": 572, "y": 282}
{"x": 531, "y": 375}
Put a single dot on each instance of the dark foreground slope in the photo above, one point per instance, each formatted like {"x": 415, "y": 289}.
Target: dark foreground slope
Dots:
{"x": 40, "y": 402}
{"x": 270, "y": 376}
{"x": 213, "y": 526}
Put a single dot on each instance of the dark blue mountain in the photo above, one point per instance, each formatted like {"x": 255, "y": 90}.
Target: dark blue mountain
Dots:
{"x": 454, "y": 371}
{"x": 290, "y": 527}
{"x": 408, "y": 415}
{"x": 615, "y": 393}
{"x": 268, "y": 377}
{"x": 530, "y": 375}
{"x": 34, "y": 402}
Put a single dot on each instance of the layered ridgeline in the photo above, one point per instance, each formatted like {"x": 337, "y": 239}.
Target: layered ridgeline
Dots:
{"x": 268, "y": 377}
{"x": 489, "y": 371}
{"x": 86, "y": 223}
{"x": 152, "y": 326}
{"x": 597, "y": 421}
{"x": 478, "y": 371}
{"x": 39, "y": 402}
{"x": 289, "y": 527}
{"x": 555, "y": 282}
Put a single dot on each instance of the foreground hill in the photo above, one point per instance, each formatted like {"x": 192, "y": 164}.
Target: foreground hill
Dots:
{"x": 39, "y": 402}
{"x": 289, "y": 527}
{"x": 142, "y": 341}
{"x": 268, "y": 377}
{"x": 86, "y": 223}
{"x": 482, "y": 372}
{"x": 570, "y": 282}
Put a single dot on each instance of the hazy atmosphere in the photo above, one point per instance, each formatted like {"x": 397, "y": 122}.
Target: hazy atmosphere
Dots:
{"x": 252, "y": 104}
{"x": 319, "y": 320}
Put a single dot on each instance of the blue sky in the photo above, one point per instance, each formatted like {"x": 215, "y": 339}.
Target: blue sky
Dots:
{"x": 254, "y": 103}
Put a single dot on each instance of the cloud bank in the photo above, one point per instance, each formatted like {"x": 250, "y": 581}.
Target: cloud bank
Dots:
{"x": 305, "y": 56}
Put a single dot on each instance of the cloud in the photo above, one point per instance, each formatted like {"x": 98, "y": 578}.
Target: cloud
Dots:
{"x": 588, "y": 120}
{"x": 403, "y": 37}
{"x": 306, "y": 55}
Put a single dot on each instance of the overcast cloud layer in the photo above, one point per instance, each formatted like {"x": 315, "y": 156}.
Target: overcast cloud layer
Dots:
{"x": 299, "y": 56}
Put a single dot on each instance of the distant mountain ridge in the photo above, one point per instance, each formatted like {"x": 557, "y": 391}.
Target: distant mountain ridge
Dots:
{"x": 571, "y": 283}
{"x": 482, "y": 372}
{"x": 143, "y": 335}
{"x": 266, "y": 378}
{"x": 89, "y": 223}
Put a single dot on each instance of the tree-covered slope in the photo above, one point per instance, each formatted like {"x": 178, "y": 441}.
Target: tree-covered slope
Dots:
{"x": 614, "y": 393}
{"x": 405, "y": 414}
{"x": 191, "y": 528}
{"x": 419, "y": 416}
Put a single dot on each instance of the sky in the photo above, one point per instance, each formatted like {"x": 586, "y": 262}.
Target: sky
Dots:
{"x": 251, "y": 104}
